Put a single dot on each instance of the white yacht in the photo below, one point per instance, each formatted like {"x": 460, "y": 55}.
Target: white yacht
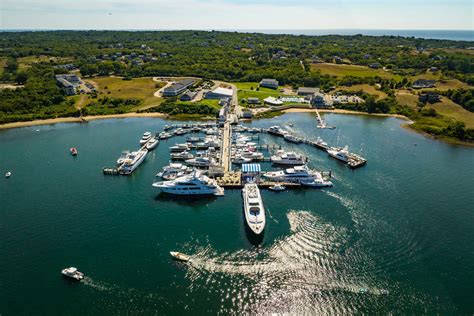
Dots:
{"x": 173, "y": 171}
{"x": 288, "y": 158}
{"x": 238, "y": 160}
{"x": 317, "y": 181}
{"x": 292, "y": 138}
{"x": 200, "y": 162}
{"x": 179, "y": 147}
{"x": 145, "y": 138}
{"x": 192, "y": 139}
{"x": 341, "y": 154}
{"x": 73, "y": 273}
{"x": 253, "y": 208}
{"x": 8, "y": 174}
{"x": 296, "y": 173}
{"x": 132, "y": 161}
{"x": 319, "y": 142}
{"x": 180, "y": 131}
{"x": 165, "y": 135}
{"x": 152, "y": 143}
{"x": 184, "y": 155}
{"x": 276, "y": 130}
{"x": 192, "y": 184}
{"x": 122, "y": 157}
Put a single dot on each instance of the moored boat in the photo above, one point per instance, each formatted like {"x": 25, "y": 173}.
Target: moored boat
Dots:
{"x": 152, "y": 143}
{"x": 253, "y": 208}
{"x": 132, "y": 161}
{"x": 277, "y": 187}
{"x": 145, "y": 138}
{"x": 192, "y": 184}
{"x": 288, "y": 158}
{"x": 341, "y": 154}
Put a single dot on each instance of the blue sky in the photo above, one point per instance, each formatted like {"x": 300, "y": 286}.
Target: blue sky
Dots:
{"x": 236, "y": 14}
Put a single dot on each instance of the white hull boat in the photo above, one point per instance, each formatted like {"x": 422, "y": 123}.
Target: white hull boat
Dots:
{"x": 253, "y": 208}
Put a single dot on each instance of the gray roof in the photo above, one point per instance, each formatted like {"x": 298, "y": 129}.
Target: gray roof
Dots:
{"x": 180, "y": 84}
{"x": 307, "y": 90}
{"x": 271, "y": 81}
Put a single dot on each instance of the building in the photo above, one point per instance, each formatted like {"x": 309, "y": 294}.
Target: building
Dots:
{"x": 318, "y": 100}
{"x": 253, "y": 101}
{"x": 247, "y": 114}
{"x": 273, "y": 101}
{"x": 69, "y": 83}
{"x": 178, "y": 87}
{"x": 222, "y": 115}
{"x": 303, "y": 91}
{"x": 269, "y": 83}
{"x": 219, "y": 93}
{"x": 188, "y": 96}
{"x": 423, "y": 83}
{"x": 430, "y": 97}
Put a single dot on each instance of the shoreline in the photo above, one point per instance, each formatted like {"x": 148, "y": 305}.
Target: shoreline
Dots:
{"x": 341, "y": 111}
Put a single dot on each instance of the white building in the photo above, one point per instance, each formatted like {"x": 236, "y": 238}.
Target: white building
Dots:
{"x": 219, "y": 93}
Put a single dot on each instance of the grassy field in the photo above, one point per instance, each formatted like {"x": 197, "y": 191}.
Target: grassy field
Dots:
{"x": 352, "y": 70}
{"x": 405, "y": 97}
{"x": 449, "y": 84}
{"x": 245, "y": 91}
{"x": 25, "y": 62}
{"x": 448, "y": 108}
{"x": 366, "y": 88}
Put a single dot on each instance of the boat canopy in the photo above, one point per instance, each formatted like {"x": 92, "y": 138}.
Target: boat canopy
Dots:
{"x": 251, "y": 168}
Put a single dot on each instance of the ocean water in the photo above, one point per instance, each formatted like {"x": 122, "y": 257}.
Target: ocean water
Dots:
{"x": 393, "y": 236}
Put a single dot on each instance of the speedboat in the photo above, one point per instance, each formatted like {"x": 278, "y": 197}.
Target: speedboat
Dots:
{"x": 341, "y": 154}
{"x": 145, "y": 138}
{"x": 200, "y": 162}
{"x": 290, "y": 174}
{"x": 132, "y": 161}
{"x": 288, "y": 158}
{"x": 73, "y": 151}
{"x": 152, "y": 143}
{"x": 192, "y": 184}
{"x": 72, "y": 273}
{"x": 253, "y": 208}
{"x": 180, "y": 256}
{"x": 184, "y": 155}
{"x": 277, "y": 187}
{"x": 173, "y": 171}
{"x": 179, "y": 147}
{"x": 292, "y": 138}
{"x": 8, "y": 174}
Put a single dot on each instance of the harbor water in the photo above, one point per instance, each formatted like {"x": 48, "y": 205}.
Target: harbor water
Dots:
{"x": 393, "y": 236}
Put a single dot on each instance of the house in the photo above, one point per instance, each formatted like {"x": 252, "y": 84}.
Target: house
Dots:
{"x": 318, "y": 100}
{"x": 304, "y": 91}
{"x": 253, "y": 101}
{"x": 68, "y": 87}
{"x": 269, "y": 83}
{"x": 430, "y": 97}
{"x": 219, "y": 93}
{"x": 178, "y": 87}
{"x": 188, "y": 96}
{"x": 423, "y": 83}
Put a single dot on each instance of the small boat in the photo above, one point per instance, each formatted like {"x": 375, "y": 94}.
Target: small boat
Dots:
{"x": 277, "y": 187}
{"x": 164, "y": 135}
{"x": 290, "y": 124}
{"x": 73, "y": 151}
{"x": 180, "y": 256}
{"x": 180, "y": 131}
{"x": 8, "y": 174}
{"x": 291, "y": 138}
{"x": 152, "y": 143}
{"x": 73, "y": 273}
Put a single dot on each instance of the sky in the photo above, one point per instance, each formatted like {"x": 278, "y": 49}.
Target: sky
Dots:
{"x": 237, "y": 14}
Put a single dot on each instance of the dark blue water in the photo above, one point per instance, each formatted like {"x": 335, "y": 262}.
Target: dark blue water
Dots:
{"x": 393, "y": 236}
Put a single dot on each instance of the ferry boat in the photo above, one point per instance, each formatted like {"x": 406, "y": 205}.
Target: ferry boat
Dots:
{"x": 145, "y": 138}
{"x": 341, "y": 154}
{"x": 184, "y": 155}
{"x": 180, "y": 256}
{"x": 152, "y": 143}
{"x": 173, "y": 171}
{"x": 288, "y": 158}
{"x": 200, "y": 162}
{"x": 193, "y": 184}
{"x": 72, "y": 273}
{"x": 132, "y": 161}
{"x": 253, "y": 208}
{"x": 292, "y": 138}
{"x": 296, "y": 173}
{"x": 73, "y": 151}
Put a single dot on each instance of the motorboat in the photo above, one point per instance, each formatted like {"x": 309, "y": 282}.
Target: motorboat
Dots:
{"x": 8, "y": 174}
{"x": 316, "y": 182}
{"x": 320, "y": 143}
{"x": 238, "y": 160}
{"x": 341, "y": 154}
{"x": 200, "y": 161}
{"x": 184, "y": 155}
{"x": 164, "y": 135}
{"x": 253, "y": 208}
{"x": 180, "y": 131}
{"x": 180, "y": 256}
{"x": 277, "y": 187}
{"x": 291, "y": 174}
{"x": 253, "y": 130}
{"x": 192, "y": 139}
{"x": 122, "y": 157}
{"x": 276, "y": 130}
{"x": 167, "y": 127}
{"x": 192, "y": 184}
{"x": 173, "y": 171}
{"x": 292, "y": 138}
{"x": 132, "y": 161}
{"x": 152, "y": 143}
{"x": 73, "y": 151}
{"x": 145, "y": 138}
{"x": 72, "y": 273}
{"x": 288, "y": 158}
{"x": 179, "y": 147}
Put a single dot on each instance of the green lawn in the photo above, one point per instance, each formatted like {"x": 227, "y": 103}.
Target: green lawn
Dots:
{"x": 352, "y": 70}
{"x": 26, "y": 62}
{"x": 365, "y": 88}
{"x": 245, "y": 91}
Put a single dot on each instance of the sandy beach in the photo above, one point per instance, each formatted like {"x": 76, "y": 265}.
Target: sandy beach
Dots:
{"x": 340, "y": 111}
{"x": 78, "y": 119}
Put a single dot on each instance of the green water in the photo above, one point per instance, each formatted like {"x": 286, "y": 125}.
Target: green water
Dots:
{"x": 395, "y": 236}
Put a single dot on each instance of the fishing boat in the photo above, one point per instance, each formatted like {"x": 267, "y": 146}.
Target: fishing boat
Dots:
{"x": 152, "y": 143}
{"x": 277, "y": 187}
{"x": 72, "y": 273}
{"x": 73, "y": 151}
{"x": 253, "y": 208}
{"x": 180, "y": 256}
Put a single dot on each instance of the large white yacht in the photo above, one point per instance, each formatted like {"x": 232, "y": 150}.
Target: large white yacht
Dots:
{"x": 253, "y": 208}
{"x": 200, "y": 162}
{"x": 317, "y": 181}
{"x": 152, "y": 143}
{"x": 173, "y": 171}
{"x": 277, "y": 130}
{"x": 72, "y": 273}
{"x": 288, "y": 158}
{"x": 341, "y": 154}
{"x": 179, "y": 147}
{"x": 192, "y": 184}
{"x": 132, "y": 161}
{"x": 296, "y": 173}
{"x": 145, "y": 138}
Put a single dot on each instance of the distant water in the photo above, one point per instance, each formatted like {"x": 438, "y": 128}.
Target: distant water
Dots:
{"x": 395, "y": 235}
